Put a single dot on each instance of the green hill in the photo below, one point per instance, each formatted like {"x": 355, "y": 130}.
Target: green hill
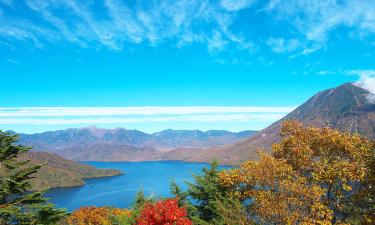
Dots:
{"x": 59, "y": 172}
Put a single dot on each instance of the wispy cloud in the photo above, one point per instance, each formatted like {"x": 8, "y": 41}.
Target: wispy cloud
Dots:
{"x": 235, "y": 5}
{"x": 146, "y": 110}
{"x": 151, "y": 22}
{"x": 316, "y": 20}
{"x": 113, "y": 24}
{"x": 13, "y": 61}
{"x": 280, "y": 45}
{"x": 162, "y": 119}
{"x": 104, "y": 115}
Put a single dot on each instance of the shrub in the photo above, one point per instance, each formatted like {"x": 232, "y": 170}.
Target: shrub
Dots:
{"x": 163, "y": 212}
{"x": 95, "y": 216}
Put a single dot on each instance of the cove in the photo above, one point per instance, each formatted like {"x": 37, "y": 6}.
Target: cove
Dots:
{"x": 154, "y": 178}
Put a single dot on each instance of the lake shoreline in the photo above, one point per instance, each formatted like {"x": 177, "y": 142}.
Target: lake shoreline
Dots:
{"x": 154, "y": 178}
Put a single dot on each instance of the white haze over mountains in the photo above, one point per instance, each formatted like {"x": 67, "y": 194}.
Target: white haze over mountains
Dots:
{"x": 367, "y": 82}
{"x": 164, "y": 117}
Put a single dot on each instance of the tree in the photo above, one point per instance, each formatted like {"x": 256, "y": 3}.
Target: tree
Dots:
{"x": 120, "y": 216}
{"x": 140, "y": 201}
{"x": 316, "y": 173}
{"x": 90, "y": 216}
{"x": 366, "y": 197}
{"x": 17, "y": 204}
{"x": 206, "y": 190}
{"x": 232, "y": 212}
{"x": 179, "y": 194}
{"x": 208, "y": 198}
{"x": 276, "y": 192}
{"x": 164, "y": 212}
{"x": 337, "y": 162}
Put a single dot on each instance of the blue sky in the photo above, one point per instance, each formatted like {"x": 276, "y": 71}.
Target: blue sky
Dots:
{"x": 272, "y": 55}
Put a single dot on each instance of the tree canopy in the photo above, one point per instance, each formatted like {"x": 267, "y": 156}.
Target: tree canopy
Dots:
{"x": 314, "y": 175}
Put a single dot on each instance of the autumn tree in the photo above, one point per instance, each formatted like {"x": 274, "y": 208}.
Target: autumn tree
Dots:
{"x": 278, "y": 194}
{"x": 316, "y": 175}
{"x": 120, "y": 216}
{"x": 164, "y": 212}
{"x": 90, "y": 216}
{"x": 336, "y": 161}
{"x": 17, "y": 204}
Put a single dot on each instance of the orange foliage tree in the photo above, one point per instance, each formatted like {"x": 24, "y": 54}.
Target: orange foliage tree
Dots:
{"x": 163, "y": 212}
{"x": 96, "y": 215}
{"x": 280, "y": 196}
{"x": 316, "y": 175}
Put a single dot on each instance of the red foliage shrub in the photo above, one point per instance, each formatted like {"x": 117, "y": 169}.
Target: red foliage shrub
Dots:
{"x": 165, "y": 212}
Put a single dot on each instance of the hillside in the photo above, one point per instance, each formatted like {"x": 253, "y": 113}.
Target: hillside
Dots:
{"x": 109, "y": 152}
{"x": 59, "y": 172}
{"x": 345, "y": 107}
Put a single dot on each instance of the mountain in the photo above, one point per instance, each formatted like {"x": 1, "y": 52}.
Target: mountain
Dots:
{"x": 91, "y": 143}
{"x": 346, "y": 108}
{"x": 59, "y": 172}
{"x": 197, "y": 138}
{"x": 119, "y": 136}
{"x": 109, "y": 152}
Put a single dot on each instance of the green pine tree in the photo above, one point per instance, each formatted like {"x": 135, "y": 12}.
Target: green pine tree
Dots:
{"x": 17, "y": 204}
{"x": 208, "y": 203}
{"x": 139, "y": 202}
{"x": 206, "y": 190}
{"x": 203, "y": 196}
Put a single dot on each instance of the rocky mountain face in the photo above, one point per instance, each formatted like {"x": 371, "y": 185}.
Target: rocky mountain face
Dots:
{"x": 345, "y": 107}
{"x": 119, "y": 144}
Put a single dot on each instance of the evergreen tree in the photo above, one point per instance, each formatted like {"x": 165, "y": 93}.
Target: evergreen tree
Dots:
{"x": 183, "y": 200}
{"x": 179, "y": 194}
{"x": 205, "y": 193}
{"x": 231, "y": 211}
{"x": 17, "y": 204}
{"x": 140, "y": 201}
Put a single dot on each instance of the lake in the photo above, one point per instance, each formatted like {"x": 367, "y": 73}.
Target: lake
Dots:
{"x": 153, "y": 178}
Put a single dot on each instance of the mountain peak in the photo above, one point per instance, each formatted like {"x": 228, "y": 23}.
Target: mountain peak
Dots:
{"x": 345, "y": 107}
{"x": 349, "y": 87}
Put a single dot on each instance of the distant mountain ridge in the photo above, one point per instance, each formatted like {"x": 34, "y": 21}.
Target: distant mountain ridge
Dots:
{"x": 97, "y": 144}
{"x": 345, "y": 108}
{"x": 120, "y": 136}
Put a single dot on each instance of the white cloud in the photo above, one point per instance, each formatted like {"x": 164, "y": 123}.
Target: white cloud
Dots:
{"x": 146, "y": 119}
{"x": 307, "y": 25}
{"x": 366, "y": 81}
{"x": 316, "y": 19}
{"x": 362, "y": 73}
{"x": 280, "y": 45}
{"x": 235, "y": 5}
{"x": 118, "y": 115}
{"x": 182, "y": 22}
{"x": 146, "y": 110}
{"x": 216, "y": 43}
{"x": 14, "y": 62}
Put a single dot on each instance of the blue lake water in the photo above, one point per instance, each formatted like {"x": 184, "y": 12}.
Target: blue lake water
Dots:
{"x": 153, "y": 178}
